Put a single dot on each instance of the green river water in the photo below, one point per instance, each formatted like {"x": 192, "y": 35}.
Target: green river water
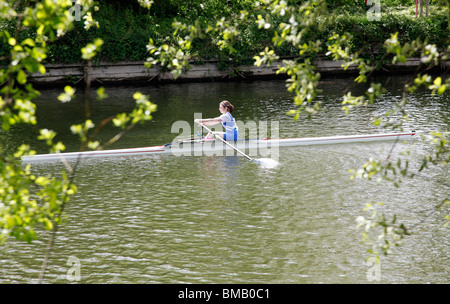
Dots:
{"x": 224, "y": 219}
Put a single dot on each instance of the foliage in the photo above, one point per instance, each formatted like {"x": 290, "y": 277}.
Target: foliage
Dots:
{"x": 368, "y": 37}
{"x": 126, "y": 28}
{"x": 28, "y": 201}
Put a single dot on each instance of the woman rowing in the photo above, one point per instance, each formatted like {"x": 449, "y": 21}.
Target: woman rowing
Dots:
{"x": 228, "y": 122}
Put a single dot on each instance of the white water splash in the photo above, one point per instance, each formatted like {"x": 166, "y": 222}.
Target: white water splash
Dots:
{"x": 267, "y": 162}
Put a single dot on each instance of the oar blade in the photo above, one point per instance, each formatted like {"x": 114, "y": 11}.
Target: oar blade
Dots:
{"x": 266, "y": 162}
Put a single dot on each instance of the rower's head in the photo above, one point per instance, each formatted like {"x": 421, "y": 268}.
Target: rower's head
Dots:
{"x": 227, "y": 106}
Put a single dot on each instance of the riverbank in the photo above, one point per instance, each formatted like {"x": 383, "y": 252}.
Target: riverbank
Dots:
{"x": 125, "y": 30}
{"x": 136, "y": 73}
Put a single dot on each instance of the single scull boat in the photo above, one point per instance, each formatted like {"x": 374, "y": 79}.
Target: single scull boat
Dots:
{"x": 198, "y": 147}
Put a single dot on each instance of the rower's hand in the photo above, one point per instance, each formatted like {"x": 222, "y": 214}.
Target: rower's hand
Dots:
{"x": 197, "y": 121}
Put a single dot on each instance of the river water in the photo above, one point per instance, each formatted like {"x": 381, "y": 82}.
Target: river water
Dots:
{"x": 224, "y": 219}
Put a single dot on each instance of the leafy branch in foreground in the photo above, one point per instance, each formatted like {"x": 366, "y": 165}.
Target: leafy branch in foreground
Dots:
{"x": 391, "y": 234}
{"x": 395, "y": 171}
{"x": 28, "y": 201}
{"x": 291, "y": 25}
{"x": 125, "y": 121}
{"x": 294, "y": 26}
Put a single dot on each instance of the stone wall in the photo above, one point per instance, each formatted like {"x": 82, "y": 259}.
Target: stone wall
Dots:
{"x": 136, "y": 73}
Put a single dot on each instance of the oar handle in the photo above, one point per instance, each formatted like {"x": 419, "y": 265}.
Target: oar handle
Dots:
{"x": 228, "y": 144}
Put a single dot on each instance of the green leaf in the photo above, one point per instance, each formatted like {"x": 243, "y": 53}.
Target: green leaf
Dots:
{"x": 69, "y": 90}
{"x": 21, "y": 77}
{"x": 137, "y": 95}
{"x": 437, "y": 81}
{"x": 28, "y": 42}
{"x": 291, "y": 112}
{"x": 101, "y": 94}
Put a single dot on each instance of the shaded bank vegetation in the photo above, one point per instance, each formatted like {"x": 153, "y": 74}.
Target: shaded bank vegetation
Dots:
{"x": 126, "y": 27}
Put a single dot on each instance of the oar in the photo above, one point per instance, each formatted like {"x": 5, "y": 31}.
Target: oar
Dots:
{"x": 267, "y": 162}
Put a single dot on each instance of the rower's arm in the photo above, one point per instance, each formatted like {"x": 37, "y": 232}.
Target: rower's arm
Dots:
{"x": 209, "y": 121}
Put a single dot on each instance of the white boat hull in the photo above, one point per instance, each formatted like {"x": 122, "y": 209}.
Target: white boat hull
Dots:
{"x": 213, "y": 147}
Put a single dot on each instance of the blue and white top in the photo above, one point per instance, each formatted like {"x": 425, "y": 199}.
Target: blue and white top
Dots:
{"x": 229, "y": 124}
